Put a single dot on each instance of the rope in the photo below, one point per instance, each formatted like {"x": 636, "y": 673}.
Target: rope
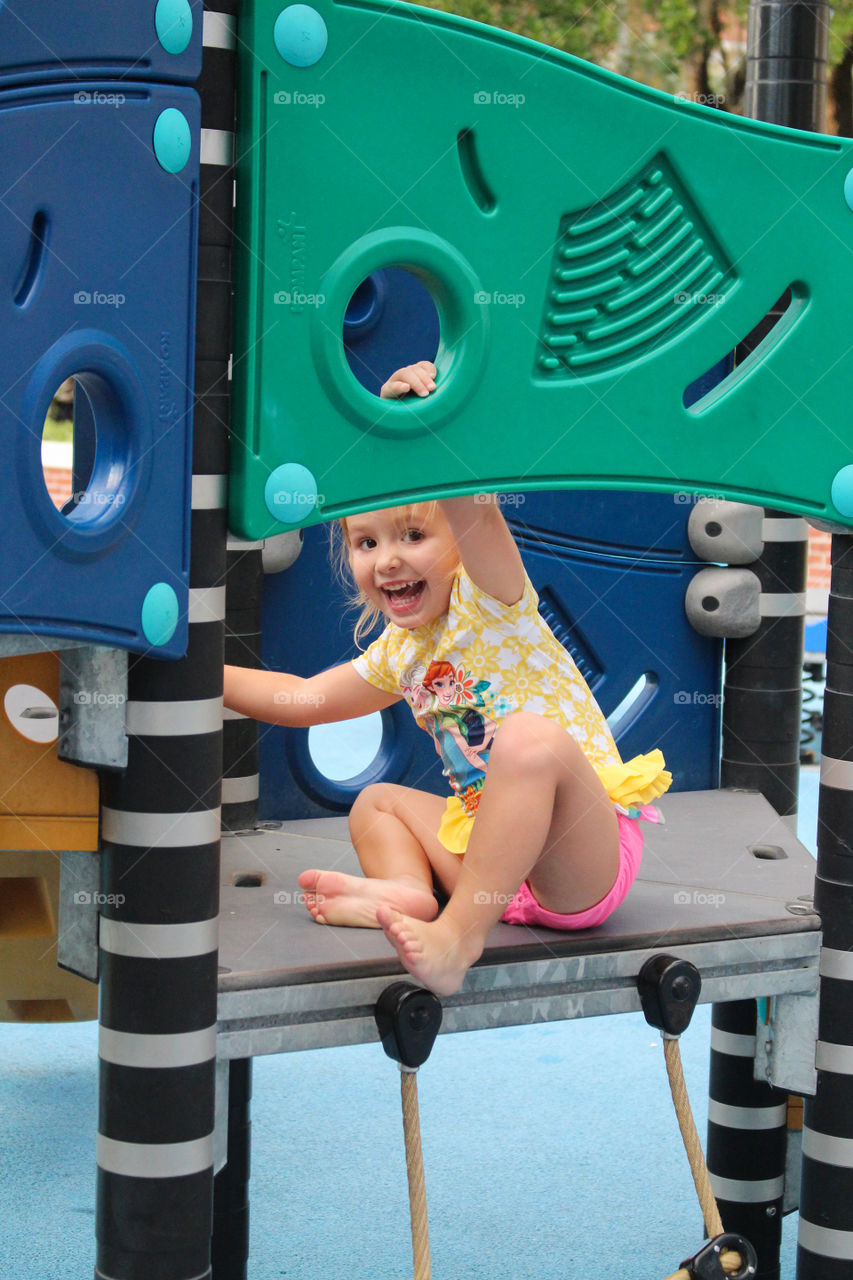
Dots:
{"x": 730, "y": 1260}
{"x": 415, "y": 1174}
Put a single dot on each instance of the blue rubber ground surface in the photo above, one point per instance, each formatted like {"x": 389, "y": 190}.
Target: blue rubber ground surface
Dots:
{"x": 551, "y": 1153}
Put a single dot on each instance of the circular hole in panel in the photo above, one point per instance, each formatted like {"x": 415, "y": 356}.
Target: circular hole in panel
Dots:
{"x": 57, "y": 445}
{"x": 343, "y": 750}
{"x": 83, "y": 451}
{"x": 32, "y": 713}
{"x": 391, "y": 320}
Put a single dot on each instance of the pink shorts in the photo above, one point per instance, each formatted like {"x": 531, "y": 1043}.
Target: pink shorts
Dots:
{"x": 524, "y": 909}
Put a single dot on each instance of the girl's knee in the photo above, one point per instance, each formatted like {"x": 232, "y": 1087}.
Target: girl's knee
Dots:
{"x": 526, "y": 741}
{"x": 375, "y": 798}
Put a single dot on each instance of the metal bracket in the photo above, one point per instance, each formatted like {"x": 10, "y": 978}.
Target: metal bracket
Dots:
{"x": 785, "y": 1043}
{"x": 79, "y": 912}
{"x": 92, "y": 706}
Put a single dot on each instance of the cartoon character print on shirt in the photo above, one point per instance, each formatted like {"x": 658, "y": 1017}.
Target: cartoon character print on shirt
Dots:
{"x": 445, "y": 700}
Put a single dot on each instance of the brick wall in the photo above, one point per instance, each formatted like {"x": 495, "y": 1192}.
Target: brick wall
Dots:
{"x": 58, "y": 481}
{"x": 819, "y": 566}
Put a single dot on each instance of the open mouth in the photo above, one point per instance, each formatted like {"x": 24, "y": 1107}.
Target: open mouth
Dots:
{"x": 406, "y": 595}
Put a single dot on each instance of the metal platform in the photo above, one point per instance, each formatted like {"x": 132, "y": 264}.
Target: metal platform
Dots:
{"x": 724, "y": 883}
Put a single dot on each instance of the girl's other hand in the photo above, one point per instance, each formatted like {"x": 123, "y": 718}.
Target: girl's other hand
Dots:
{"x": 419, "y": 378}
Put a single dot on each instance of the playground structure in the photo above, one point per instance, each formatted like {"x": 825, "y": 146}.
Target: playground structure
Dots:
{"x": 124, "y": 567}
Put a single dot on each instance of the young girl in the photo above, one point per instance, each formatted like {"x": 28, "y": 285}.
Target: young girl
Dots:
{"x": 525, "y": 747}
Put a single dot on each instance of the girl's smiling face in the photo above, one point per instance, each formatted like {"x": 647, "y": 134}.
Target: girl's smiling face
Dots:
{"x": 404, "y": 560}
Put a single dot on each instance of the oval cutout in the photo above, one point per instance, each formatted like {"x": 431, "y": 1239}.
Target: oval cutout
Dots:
{"x": 343, "y": 750}
{"x": 32, "y": 713}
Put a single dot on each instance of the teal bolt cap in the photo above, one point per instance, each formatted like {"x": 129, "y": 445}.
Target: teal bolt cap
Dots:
{"x": 291, "y": 493}
{"x": 173, "y": 22}
{"x": 159, "y": 614}
{"x": 842, "y": 491}
{"x": 172, "y": 140}
{"x": 300, "y": 35}
{"x": 848, "y": 189}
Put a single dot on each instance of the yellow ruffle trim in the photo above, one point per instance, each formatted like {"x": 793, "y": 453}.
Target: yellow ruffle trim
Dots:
{"x": 633, "y": 784}
{"x": 455, "y": 828}
{"x": 638, "y": 781}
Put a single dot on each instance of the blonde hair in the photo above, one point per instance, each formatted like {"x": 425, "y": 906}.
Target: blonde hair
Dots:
{"x": 369, "y": 615}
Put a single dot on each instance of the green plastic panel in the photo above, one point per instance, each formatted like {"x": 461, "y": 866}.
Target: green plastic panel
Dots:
{"x": 592, "y": 247}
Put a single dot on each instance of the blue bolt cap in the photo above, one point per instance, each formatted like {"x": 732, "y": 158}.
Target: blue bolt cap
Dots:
{"x": 172, "y": 140}
{"x": 842, "y": 491}
{"x": 159, "y": 614}
{"x": 173, "y": 22}
{"x": 848, "y": 189}
{"x": 290, "y": 493}
{"x": 300, "y": 35}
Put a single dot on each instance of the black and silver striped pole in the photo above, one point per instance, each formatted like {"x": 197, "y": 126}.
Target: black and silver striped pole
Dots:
{"x": 160, "y": 826}
{"x": 786, "y": 79}
{"x": 244, "y": 590}
{"x": 763, "y": 684}
{"x": 825, "y": 1242}
{"x": 747, "y": 1136}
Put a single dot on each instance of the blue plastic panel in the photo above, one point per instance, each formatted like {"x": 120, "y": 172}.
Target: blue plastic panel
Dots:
{"x": 621, "y": 614}
{"x": 99, "y": 40}
{"x": 97, "y": 279}
{"x": 391, "y": 321}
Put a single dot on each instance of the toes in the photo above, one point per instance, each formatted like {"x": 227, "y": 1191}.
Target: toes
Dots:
{"x": 385, "y": 915}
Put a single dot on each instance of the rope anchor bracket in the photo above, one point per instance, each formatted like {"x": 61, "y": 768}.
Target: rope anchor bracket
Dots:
{"x": 669, "y": 989}
{"x": 711, "y": 1262}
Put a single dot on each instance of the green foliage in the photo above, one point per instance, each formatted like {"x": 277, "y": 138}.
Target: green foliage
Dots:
{"x": 587, "y": 30}
{"x": 58, "y": 431}
{"x": 680, "y": 46}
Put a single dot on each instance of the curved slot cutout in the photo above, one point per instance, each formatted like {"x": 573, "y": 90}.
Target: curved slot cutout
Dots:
{"x": 749, "y": 353}
{"x": 34, "y": 262}
{"x": 631, "y": 706}
{"x": 472, "y": 171}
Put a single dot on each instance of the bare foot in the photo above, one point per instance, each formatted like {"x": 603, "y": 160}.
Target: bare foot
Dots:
{"x": 434, "y": 953}
{"x": 335, "y": 898}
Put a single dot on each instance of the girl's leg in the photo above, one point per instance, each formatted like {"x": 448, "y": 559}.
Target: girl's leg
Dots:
{"x": 394, "y": 830}
{"x": 544, "y": 817}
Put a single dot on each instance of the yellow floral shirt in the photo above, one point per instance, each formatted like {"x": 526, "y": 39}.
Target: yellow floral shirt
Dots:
{"x": 464, "y": 673}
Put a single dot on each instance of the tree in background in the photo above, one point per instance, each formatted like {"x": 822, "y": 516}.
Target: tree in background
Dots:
{"x": 696, "y": 48}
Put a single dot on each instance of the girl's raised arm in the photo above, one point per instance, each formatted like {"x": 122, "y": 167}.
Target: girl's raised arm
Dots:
{"x": 337, "y": 694}
{"x": 486, "y": 545}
